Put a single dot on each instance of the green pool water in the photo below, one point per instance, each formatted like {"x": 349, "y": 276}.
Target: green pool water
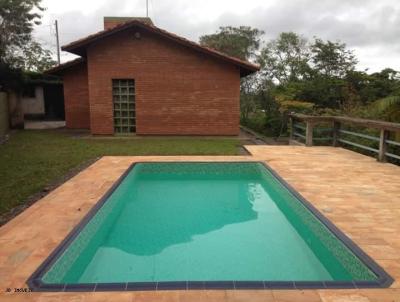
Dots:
{"x": 204, "y": 222}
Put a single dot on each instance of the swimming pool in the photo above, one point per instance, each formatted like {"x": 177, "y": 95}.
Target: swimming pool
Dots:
{"x": 211, "y": 225}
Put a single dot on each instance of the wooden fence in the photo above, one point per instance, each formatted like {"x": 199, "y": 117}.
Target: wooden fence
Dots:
{"x": 339, "y": 131}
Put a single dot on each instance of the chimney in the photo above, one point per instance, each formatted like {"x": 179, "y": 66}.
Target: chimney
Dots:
{"x": 110, "y": 22}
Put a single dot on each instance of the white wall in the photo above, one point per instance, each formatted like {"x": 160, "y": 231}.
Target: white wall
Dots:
{"x": 34, "y": 105}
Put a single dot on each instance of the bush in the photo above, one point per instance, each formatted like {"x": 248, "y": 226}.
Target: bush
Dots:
{"x": 264, "y": 124}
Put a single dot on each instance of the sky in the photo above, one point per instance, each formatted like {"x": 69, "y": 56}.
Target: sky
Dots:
{"x": 369, "y": 27}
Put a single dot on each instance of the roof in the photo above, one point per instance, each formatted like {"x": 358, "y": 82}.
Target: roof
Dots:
{"x": 61, "y": 67}
{"x": 79, "y": 47}
{"x": 38, "y": 78}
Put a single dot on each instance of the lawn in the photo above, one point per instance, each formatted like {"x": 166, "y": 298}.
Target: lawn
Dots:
{"x": 31, "y": 160}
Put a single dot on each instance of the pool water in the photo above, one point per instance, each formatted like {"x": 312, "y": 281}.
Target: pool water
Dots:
{"x": 204, "y": 222}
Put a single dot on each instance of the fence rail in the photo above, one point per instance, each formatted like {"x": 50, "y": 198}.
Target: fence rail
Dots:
{"x": 303, "y": 127}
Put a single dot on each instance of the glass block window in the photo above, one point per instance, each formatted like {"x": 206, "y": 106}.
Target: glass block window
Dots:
{"x": 124, "y": 106}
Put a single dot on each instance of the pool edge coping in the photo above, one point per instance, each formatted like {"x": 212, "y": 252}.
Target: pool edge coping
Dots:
{"x": 36, "y": 284}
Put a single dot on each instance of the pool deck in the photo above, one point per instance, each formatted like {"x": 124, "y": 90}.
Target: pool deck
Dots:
{"x": 358, "y": 194}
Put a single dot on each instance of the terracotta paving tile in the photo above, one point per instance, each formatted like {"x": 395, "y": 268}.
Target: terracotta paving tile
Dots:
{"x": 159, "y": 296}
{"x": 296, "y": 295}
{"x": 382, "y": 251}
{"x": 70, "y": 297}
{"x": 366, "y": 295}
{"x": 109, "y": 296}
{"x": 216, "y": 295}
{"x": 192, "y": 296}
{"x": 250, "y": 295}
{"x": 358, "y": 194}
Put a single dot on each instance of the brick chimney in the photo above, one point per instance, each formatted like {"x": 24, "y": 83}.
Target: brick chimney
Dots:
{"x": 110, "y": 22}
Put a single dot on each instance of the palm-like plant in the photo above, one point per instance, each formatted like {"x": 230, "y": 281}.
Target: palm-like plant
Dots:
{"x": 388, "y": 108}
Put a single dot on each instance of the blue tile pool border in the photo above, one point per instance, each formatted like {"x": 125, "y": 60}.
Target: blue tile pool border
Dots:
{"x": 35, "y": 282}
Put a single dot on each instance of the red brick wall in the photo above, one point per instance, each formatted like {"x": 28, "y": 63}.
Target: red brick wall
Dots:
{"x": 76, "y": 97}
{"x": 178, "y": 90}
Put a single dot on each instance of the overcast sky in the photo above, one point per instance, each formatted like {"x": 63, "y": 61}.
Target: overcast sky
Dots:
{"x": 370, "y": 27}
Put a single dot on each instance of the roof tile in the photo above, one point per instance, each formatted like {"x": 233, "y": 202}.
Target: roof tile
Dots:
{"x": 78, "y": 47}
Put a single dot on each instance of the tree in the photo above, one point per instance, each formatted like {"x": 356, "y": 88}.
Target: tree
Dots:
{"x": 384, "y": 83}
{"x": 285, "y": 59}
{"x": 270, "y": 107}
{"x": 17, "y": 48}
{"x": 10, "y": 79}
{"x": 332, "y": 59}
{"x": 248, "y": 98}
{"x": 309, "y": 72}
{"x": 242, "y": 42}
{"x": 321, "y": 90}
{"x": 36, "y": 58}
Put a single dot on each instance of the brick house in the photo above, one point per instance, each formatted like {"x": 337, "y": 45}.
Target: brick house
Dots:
{"x": 136, "y": 77}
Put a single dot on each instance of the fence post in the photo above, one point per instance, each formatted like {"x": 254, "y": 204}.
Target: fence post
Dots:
{"x": 382, "y": 145}
{"x": 4, "y": 116}
{"x": 291, "y": 121}
{"x": 309, "y": 133}
{"x": 336, "y": 133}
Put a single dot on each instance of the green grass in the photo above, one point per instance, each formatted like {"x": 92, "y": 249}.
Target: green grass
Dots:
{"x": 30, "y": 160}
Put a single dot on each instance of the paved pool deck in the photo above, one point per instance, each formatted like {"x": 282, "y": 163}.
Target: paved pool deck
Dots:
{"x": 358, "y": 194}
